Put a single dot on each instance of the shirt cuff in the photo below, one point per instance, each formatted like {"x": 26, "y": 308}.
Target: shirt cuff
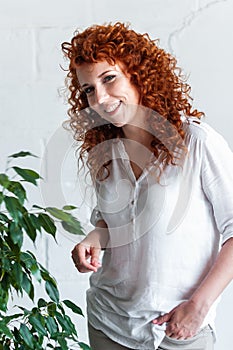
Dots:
{"x": 95, "y": 216}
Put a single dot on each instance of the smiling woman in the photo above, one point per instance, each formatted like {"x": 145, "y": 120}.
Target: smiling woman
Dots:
{"x": 163, "y": 181}
{"x": 137, "y": 60}
{"x": 109, "y": 91}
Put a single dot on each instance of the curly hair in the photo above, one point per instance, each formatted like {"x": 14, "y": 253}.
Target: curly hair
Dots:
{"x": 161, "y": 85}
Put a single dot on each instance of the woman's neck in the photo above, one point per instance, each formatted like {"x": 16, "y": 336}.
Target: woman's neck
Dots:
{"x": 138, "y": 134}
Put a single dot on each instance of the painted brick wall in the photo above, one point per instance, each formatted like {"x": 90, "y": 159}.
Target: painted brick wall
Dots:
{"x": 197, "y": 32}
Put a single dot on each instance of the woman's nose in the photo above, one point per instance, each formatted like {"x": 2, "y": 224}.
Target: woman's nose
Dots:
{"x": 101, "y": 95}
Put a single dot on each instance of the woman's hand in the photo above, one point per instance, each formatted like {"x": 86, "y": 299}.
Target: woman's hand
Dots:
{"x": 184, "y": 321}
{"x": 86, "y": 254}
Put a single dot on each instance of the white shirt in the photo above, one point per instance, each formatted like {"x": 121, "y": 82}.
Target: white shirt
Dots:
{"x": 164, "y": 237}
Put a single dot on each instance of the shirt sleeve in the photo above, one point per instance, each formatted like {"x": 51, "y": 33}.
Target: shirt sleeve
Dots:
{"x": 95, "y": 216}
{"x": 217, "y": 181}
{"x": 96, "y": 212}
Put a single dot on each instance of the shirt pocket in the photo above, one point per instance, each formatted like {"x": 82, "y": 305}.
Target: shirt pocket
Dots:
{"x": 195, "y": 342}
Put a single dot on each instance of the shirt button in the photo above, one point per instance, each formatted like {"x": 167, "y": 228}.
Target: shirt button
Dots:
{"x": 132, "y": 202}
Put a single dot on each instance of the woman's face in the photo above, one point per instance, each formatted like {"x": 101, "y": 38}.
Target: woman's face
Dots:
{"x": 109, "y": 92}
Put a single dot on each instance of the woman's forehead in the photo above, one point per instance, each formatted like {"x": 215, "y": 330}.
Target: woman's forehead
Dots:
{"x": 95, "y": 70}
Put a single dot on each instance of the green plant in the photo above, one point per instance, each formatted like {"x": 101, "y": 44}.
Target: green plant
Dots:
{"x": 47, "y": 325}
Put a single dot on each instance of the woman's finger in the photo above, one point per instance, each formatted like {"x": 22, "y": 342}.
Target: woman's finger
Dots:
{"x": 80, "y": 256}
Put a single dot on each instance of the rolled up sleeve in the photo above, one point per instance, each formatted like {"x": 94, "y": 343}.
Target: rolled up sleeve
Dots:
{"x": 217, "y": 181}
{"x": 95, "y": 216}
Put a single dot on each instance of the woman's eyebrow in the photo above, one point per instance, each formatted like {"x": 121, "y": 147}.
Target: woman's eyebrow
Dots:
{"x": 99, "y": 76}
{"x": 107, "y": 71}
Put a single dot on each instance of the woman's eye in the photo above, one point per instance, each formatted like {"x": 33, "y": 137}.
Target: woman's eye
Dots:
{"x": 109, "y": 78}
{"x": 88, "y": 90}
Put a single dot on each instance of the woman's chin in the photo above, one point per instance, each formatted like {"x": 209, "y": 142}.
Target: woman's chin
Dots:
{"x": 118, "y": 124}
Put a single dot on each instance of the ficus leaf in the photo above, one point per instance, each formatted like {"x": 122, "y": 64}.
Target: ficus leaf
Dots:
{"x": 5, "y": 330}
{"x": 37, "y": 207}
{"x": 16, "y": 188}
{"x": 16, "y": 234}
{"x": 4, "y": 218}
{"x": 28, "y": 286}
{"x": 63, "y": 322}
{"x": 38, "y": 323}
{"x": 4, "y": 296}
{"x": 31, "y": 264}
{"x": 7, "y": 319}
{"x": 28, "y": 258}
{"x": 27, "y": 174}
{"x": 46, "y": 275}
{"x": 61, "y": 340}
{"x": 25, "y": 311}
{"x": 58, "y": 213}
{"x": 73, "y": 307}
{"x": 84, "y": 346}
{"x": 35, "y": 221}
{"x": 29, "y": 227}
{"x": 52, "y": 291}
{"x": 51, "y": 309}
{"x": 60, "y": 307}
{"x": 73, "y": 227}
{"x": 51, "y": 325}
{"x": 47, "y": 223}
{"x": 17, "y": 273}
{"x": 71, "y": 325}
{"x": 26, "y": 335}
{"x": 41, "y": 303}
{"x": 69, "y": 207}
{"x": 22, "y": 154}
{"x": 14, "y": 208}
{"x": 36, "y": 272}
{"x": 16, "y": 335}
{"x": 4, "y": 180}
{"x": 1, "y": 197}
{"x": 5, "y": 263}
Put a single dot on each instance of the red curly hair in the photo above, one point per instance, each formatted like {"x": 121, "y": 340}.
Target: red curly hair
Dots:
{"x": 153, "y": 72}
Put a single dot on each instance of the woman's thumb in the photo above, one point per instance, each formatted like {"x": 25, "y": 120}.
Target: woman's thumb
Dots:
{"x": 95, "y": 254}
{"x": 162, "y": 319}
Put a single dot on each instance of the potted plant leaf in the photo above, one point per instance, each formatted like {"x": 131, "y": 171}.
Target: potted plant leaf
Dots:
{"x": 46, "y": 325}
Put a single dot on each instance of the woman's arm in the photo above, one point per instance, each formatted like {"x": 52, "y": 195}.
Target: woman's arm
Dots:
{"x": 86, "y": 253}
{"x": 185, "y": 320}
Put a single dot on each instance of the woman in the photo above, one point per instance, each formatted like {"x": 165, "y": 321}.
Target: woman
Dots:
{"x": 163, "y": 180}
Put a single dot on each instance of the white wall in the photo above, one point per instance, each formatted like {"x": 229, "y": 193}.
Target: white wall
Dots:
{"x": 198, "y": 32}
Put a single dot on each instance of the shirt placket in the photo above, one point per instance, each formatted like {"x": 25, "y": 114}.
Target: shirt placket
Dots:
{"x": 137, "y": 183}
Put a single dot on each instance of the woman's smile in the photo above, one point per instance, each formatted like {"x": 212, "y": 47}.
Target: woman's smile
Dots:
{"x": 112, "y": 108}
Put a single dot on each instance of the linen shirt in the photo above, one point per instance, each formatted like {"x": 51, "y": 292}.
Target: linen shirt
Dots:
{"x": 164, "y": 236}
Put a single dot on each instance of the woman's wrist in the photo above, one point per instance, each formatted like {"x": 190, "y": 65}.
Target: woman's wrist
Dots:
{"x": 98, "y": 237}
{"x": 201, "y": 304}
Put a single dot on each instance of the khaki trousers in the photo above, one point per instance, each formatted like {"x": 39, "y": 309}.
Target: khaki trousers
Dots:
{"x": 202, "y": 341}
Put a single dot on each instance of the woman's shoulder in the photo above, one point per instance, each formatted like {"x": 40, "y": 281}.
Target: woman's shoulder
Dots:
{"x": 202, "y": 138}
{"x": 200, "y": 131}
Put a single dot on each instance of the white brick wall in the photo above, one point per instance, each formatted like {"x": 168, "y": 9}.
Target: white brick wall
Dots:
{"x": 198, "y": 32}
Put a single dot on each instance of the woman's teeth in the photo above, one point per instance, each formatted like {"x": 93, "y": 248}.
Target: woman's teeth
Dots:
{"x": 113, "y": 107}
